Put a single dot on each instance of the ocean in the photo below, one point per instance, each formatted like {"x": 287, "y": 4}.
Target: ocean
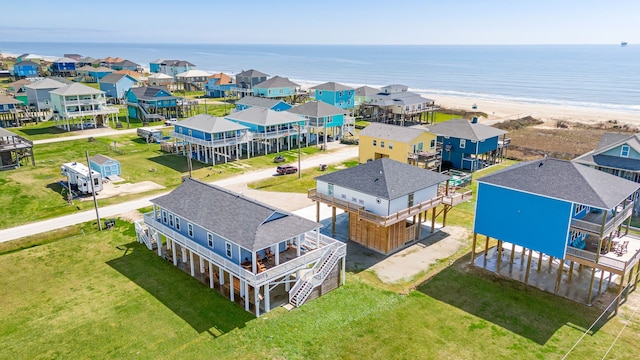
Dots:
{"x": 595, "y": 76}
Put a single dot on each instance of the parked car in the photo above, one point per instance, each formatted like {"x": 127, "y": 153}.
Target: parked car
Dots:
{"x": 286, "y": 169}
{"x": 171, "y": 121}
{"x": 279, "y": 159}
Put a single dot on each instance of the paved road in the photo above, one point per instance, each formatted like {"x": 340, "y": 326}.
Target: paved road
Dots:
{"x": 340, "y": 154}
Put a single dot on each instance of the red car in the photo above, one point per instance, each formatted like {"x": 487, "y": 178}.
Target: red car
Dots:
{"x": 286, "y": 169}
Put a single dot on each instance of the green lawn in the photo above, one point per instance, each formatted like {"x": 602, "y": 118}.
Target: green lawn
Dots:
{"x": 34, "y": 193}
{"x": 103, "y": 295}
{"x": 291, "y": 183}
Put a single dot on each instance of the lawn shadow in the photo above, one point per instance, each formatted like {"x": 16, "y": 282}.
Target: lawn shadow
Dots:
{"x": 178, "y": 163}
{"x": 517, "y": 307}
{"x": 42, "y": 130}
{"x": 57, "y": 188}
{"x": 201, "y": 307}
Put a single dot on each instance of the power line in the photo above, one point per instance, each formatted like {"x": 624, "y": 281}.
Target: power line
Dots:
{"x": 620, "y": 333}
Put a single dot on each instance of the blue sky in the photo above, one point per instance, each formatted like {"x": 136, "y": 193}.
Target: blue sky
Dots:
{"x": 324, "y": 22}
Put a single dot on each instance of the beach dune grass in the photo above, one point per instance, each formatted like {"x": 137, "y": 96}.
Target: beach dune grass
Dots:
{"x": 101, "y": 295}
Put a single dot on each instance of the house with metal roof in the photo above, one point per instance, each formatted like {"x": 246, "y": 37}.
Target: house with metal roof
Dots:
{"x": 617, "y": 154}
{"x": 249, "y": 250}
{"x": 272, "y": 130}
{"x": 219, "y": 85}
{"x": 387, "y": 202}
{"x": 39, "y": 93}
{"x": 25, "y": 69}
{"x": 116, "y": 85}
{"x": 64, "y": 67}
{"x": 326, "y": 122}
{"x": 151, "y": 103}
{"x": 335, "y": 94}
{"x": 15, "y": 150}
{"x": 276, "y": 87}
{"x": 79, "y": 106}
{"x": 394, "y": 103}
{"x": 266, "y": 103}
{"x": 469, "y": 145}
{"x": 210, "y": 139}
{"x": 170, "y": 67}
{"x": 560, "y": 210}
{"x": 160, "y": 79}
{"x": 413, "y": 145}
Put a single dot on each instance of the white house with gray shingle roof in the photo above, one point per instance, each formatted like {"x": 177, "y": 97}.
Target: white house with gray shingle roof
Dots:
{"x": 559, "y": 209}
{"x": 210, "y": 139}
{"x": 262, "y": 254}
{"x": 79, "y": 106}
{"x": 386, "y": 201}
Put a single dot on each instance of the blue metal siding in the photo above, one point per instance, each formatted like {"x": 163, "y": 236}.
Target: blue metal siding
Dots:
{"x": 617, "y": 151}
{"x": 198, "y": 134}
{"x": 281, "y": 106}
{"x": 109, "y": 89}
{"x": 342, "y": 99}
{"x": 487, "y": 145}
{"x": 25, "y": 70}
{"x": 528, "y": 220}
{"x": 154, "y": 68}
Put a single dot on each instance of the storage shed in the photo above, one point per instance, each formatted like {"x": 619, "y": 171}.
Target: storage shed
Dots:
{"x": 106, "y": 166}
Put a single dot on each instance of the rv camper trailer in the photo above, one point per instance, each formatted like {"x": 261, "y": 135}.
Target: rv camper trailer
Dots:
{"x": 78, "y": 178}
{"x": 150, "y": 134}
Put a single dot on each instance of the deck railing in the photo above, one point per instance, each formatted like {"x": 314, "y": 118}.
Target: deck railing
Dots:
{"x": 272, "y": 273}
{"x": 244, "y": 138}
{"x": 595, "y": 227}
{"x": 313, "y": 194}
{"x": 456, "y": 195}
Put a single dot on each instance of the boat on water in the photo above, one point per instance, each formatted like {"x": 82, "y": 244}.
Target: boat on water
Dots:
{"x": 623, "y": 44}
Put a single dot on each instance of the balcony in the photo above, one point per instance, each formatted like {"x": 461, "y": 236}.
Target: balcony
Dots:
{"x": 311, "y": 250}
{"x": 275, "y": 134}
{"x": 74, "y": 102}
{"x": 242, "y": 139}
{"x": 601, "y": 223}
{"x": 454, "y": 195}
{"x": 606, "y": 258}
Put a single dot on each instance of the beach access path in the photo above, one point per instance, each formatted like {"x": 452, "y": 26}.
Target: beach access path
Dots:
{"x": 338, "y": 153}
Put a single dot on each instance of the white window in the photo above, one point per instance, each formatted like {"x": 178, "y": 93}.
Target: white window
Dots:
{"x": 210, "y": 240}
{"x": 375, "y": 142}
{"x": 164, "y": 216}
{"x": 463, "y": 143}
{"x": 228, "y": 248}
{"x": 190, "y": 229}
{"x": 177, "y": 223}
{"x": 390, "y": 146}
{"x": 381, "y": 143}
{"x": 157, "y": 213}
{"x": 624, "y": 151}
{"x": 171, "y": 220}
{"x": 433, "y": 144}
{"x": 330, "y": 189}
{"x": 329, "y": 120}
{"x": 579, "y": 209}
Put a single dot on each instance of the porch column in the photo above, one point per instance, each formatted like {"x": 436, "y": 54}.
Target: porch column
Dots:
{"x": 159, "y": 244}
{"x": 560, "y": 269}
{"x": 246, "y": 295}
{"x": 210, "y": 274}
{"x": 175, "y": 258}
{"x": 256, "y": 300}
{"x": 221, "y": 276}
{"x": 201, "y": 264}
{"x": 277, "y": 255}
{"x": 433, "y": 219}
{"x": 267, "y": 300}
{"x": 231, "y": 289}
{"x": 193, "y": 272}
{"x": 343, "y": 274}
{"x": 526, "y": 275}
{"x": 317, "y": 211}
{"x": 333, "y": 220}
{"x": 499, "y": 262}
{"x": 299, "y": 244}
{"x": 254, "y": 266}
{"x": 287, "y": 285}
{"x": 169, "y": 244}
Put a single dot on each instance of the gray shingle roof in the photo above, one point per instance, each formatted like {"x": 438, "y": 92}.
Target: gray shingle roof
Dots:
{"x": 610, "y": 141}
{"x": 101, "y": 159}
{"x": 76, "y": 89}
{"x": 317, "y": 109}
{"x": 258, "y": 101}
{"x": 6, "y": 100}
{"x": 233, "y": 216}
{"x": 126, "y": 63}
{"x": 26, "y": 63}
{"x": 114, "y": 78}
{"x": 65, "y": 60}
{"x": 150, "y": 92}
{"x": 252, "y": 73}
{"x": 332, "y": 86}
{"x": 6, "y": 133}
{"x": 565, "y": 180}
{"x": 384, "y": 178}
{"x": 210, "y": 124}
{"x": 398, "y": 98}
{"x": 464, "y": 129}
{"x": 366, "y": 91}
{"x": 262, "y": 116}
{"x": 392, "y": 132}
{"x": 276, "y": 82}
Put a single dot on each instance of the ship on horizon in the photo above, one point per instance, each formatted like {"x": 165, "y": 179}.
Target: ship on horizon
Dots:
{"x": 623, "y": 44}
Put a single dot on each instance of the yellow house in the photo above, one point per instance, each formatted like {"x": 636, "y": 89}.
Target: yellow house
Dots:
{"x": 404, "y": 144}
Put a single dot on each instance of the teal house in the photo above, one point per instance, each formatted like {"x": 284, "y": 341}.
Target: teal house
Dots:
{"x": 106, "y": 166}
{"x": 266, "y": 103}
{"x": 326, "y": 122}
{"x": 335, "y": 94}
{"x": 151, "y": 103}
{"x": 276, "y": 87}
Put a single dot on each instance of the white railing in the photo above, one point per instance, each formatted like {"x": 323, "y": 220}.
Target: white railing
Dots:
{"x": 143, "y": 237}
{"x": 259, "y": 279}
{"x": 314, "y": 278}
{"x": 213, "y": 143}
{"x": 596, "y": 227}
{"x": 587, "y": 255}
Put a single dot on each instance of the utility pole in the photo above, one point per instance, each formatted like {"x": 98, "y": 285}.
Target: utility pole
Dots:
{"x": 93, "y": 192}
{"x": 299, "y": 157}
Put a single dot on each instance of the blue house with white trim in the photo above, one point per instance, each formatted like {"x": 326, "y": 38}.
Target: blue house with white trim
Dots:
{"x": 117, "y": 85}
{"x": 325, "y": 120}
{"x": 335, "y": 94}
{"x": 219, "y": 85}
{"x": 149, "y": 103}
{"x": 254, "y": 101}
{"x": 25, "y": 68}
{"x": 469, "y": 145}
{"x": 106, "y": 166}
{"x": 272, "y": 130}
{"x": 245, "y": 248}
{"x": 276, "y": 87}
{"x": 64, "y": 67}
{"x": 562, "y": 210}
{"x": 617, "y": 154}
{"x": 210, "y": 139}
